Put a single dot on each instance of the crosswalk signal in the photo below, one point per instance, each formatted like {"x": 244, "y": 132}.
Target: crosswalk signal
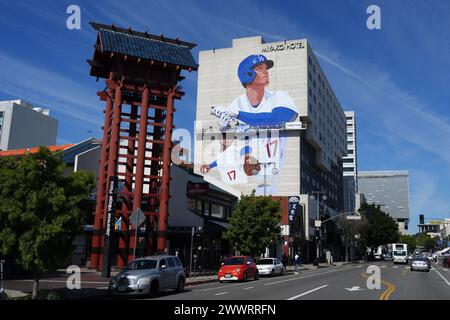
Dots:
{"x": 421, "y": 219}
{"x": 317, "y": 235}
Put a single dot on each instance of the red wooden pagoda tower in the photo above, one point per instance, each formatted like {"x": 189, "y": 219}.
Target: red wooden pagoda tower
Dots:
{"x": 141, "y": 73}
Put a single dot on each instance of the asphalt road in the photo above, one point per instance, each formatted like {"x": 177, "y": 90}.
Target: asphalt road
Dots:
{"x": 347, "y": 282}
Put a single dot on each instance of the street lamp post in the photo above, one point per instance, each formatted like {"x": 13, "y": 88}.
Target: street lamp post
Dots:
{"x": 190, "y": 256}
{"x": 317, "y": 226}
{"x": 274, "y": 172}
{"x": 192, "y": 247}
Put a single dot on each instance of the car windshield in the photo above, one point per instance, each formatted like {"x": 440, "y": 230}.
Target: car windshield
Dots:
{"x": 142, "y": 264}
{"x": 265, "y": 261}
{"x": 420, "y": 259}
{"x": 234, "y": 261}
{"x": 400, "y": 253}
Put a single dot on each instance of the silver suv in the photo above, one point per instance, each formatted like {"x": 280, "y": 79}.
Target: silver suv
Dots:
{"x": 149, "y": 275}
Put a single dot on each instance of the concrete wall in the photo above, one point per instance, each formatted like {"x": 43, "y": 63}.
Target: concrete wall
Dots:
{"x": 27, "y": 128}
{"x": 88, "y": 161}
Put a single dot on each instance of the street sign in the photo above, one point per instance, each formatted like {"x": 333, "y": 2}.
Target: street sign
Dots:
{"x": 137, "y": 218}
{"x": 285, "y": 230}
{"x": 354, "y": 217}
{"x": 317, "y": 223}
{"x": 293, "y": 206}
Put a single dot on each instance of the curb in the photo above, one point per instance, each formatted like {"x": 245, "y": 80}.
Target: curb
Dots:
{"x": 197, "y": 282}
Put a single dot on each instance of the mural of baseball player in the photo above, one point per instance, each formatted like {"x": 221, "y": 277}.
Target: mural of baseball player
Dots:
{"x": 256, "y": 108}
{"x": 234, "y": 161}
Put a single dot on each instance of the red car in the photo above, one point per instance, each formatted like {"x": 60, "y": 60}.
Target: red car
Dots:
{"x": 238, "y": 268}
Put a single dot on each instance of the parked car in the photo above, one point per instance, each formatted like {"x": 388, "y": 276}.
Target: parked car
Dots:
{"x": 421, "y": 264}
{"x": 239, "y": 268}
{"x": 149, "y": 275}
{"x": 270, "y": 266}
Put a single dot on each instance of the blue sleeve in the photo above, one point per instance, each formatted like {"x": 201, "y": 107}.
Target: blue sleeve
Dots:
{"x": 213, "y": 164}
{"x": 245, "y": 150}
{"x": 278, "y": 116}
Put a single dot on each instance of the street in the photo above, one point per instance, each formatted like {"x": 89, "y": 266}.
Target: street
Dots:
{"x": 341, "y": 282}
{"x": 346, "y": 282}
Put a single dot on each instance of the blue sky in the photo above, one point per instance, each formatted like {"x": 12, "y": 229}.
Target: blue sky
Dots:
{"x": 396, "y": 79}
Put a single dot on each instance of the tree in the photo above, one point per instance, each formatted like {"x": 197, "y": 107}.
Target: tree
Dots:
{"x": 351, "y": 228}
{"x": 426, "y": 242}
{"x": 381, "y": 229}
{"x": 411, "y": 241}
{"x": 41, "y": 210}
{"x": 254, "y": 224}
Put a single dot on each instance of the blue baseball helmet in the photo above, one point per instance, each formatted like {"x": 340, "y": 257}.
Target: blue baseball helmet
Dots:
{"x": 245, "y": 71}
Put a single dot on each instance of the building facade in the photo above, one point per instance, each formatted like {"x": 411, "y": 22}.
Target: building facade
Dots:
{"x": 390, "y": 191}
{"x": 350, "y": 165}
{"x": 243, "y": 145}
{"x": 23, "y": 125}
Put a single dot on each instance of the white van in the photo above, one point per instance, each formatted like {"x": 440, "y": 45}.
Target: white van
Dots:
{"x": 400, "y": 253}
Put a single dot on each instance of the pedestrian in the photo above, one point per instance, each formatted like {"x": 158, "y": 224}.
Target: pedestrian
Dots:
{"x": 285, "y": 261}
{"x": 297, "y": 263}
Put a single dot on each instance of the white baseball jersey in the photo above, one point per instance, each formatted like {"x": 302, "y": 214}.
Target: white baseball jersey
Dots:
{"x": 270, "y": 101}
{"x": 230, "y": 164}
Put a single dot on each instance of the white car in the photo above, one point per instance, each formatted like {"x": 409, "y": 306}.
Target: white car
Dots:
{"x": 421, "y": 264}
{"x": 270, "y": 266}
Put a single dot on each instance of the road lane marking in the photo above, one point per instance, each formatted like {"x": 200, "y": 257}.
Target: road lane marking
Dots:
{"x": 264, "y": 280}
{"x": 307, "y": 292}
{"x": 248, "y": 288}
{"x": 404, "y": 272}
{"x": 387, "y": 293}
{"x": 297, "y": 278}
{"x": 383, "y": 266}
{"x": 221, "y": 293}
{"x": 395, "y": 267}
{"x": 446, "y": 281}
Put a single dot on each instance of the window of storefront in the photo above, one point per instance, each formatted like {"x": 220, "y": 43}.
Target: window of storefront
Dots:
{"x": 217, "y": 211}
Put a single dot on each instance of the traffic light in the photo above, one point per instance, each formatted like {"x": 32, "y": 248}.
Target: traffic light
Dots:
{"x": 317, "y": 235}
{"x": 421, "y": 219}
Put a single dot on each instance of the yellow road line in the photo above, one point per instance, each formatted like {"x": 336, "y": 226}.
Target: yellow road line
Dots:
{"x": 387, "y": 293}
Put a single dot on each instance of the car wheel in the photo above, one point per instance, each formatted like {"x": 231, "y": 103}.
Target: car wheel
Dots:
{"x": 180, "y": 286}
{"x": 244, "y": 277}
{"x": 281, "y": 272}
{"x": 272, "y": 273}
{"x": 411, "y": 269}
{"x": 256, "y": 275}
{"x": 154, "y": 288}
